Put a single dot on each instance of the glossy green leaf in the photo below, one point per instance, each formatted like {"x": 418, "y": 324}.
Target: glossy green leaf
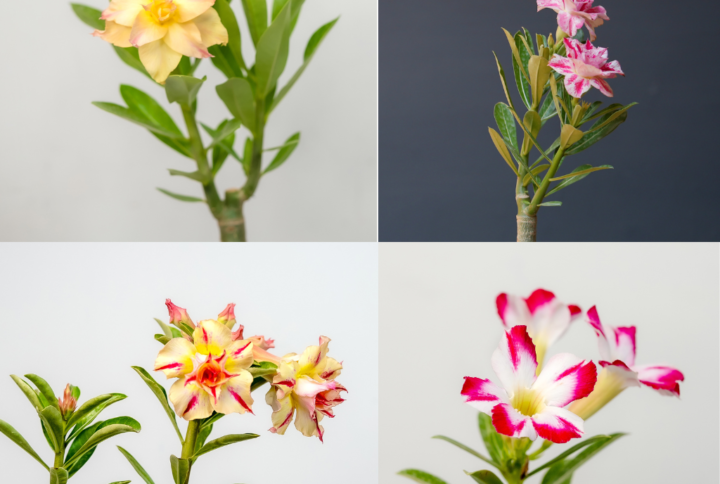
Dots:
{"x": 28, "y": 391}
{"x": 161, "y": 338}
{"x": 222, "y": 149}
{"x": 582, "y": 172}
{"x": 88, "y": 411}
{"x": 131, "y": 57}
{"x": 284, "y": 153}
{"x": 465, "y": 448}
{"x": 160, "y": 394}
{"x": 211, "y": 419}
{"x": 238, "y": 96}
{"x": 421, "y": 476}
{"x": 533, "y": 124}
{"x": 15, "y": 436}
{"x": 493, "y": 441}
{"x": 506, "y": 124}
{"x": 85, "y": 435}
{"x": 182, "y": 198}
{"x": 312, "y": 46}
{"x": 272, "y": 53}
{"x": 193, "y": 175}
{"x": 75, "y": 392}
{"x": 58, "y": 476}
{"x": 609, "y": 119}
{"x": 180, "y": 469}
{"x": 485, "y": 477}
{"x": 136, "y": 465}
{"x": 257, "y": 18}
{"x": 569, "y": 181}
{"x": 550, "y": 204}
{"x": 183, "y": 89}
{"x": 563, "y": 470}
{"x": 203, "y": 435}
{"x": 504, "y": 82}
{"x": 165, "y": 328}
{"x": 222, "y": 442}
{"x": 144, "y": 104}
{"x": 502, "y": 148}
{"x": 232, "y": 52}
{"x": 136, "y": 118}
{"x": 278, "y": 5}
{"x": 547, "y": 109}
{"x": 521, "y": 73}
{"x": 90, "y": 16}
{"x": 225, "y": 130}
{"x": 53, "y": 422}
{"x": 97, "y": 438}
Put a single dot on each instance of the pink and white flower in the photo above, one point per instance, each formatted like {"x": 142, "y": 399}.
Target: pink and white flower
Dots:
{"x": 617, "y": 352}
{"x": 528, "y": 405}
{"x": 545, "y": 316}
{"x": 573, "y": 14}
{"x": 584, "y": 67}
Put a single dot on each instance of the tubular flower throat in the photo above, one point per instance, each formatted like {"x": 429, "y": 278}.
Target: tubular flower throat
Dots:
{"x": 163, "y": 31}
{"x": 545, "y": 317}
{"x": 617, "y": 352}
{"x": 573, "y": 14}
{"x": 584, "y": 67}
{"x": 305, "y": 388}
{"x": 528, "y": 405}
{"x": 212, "y": 372}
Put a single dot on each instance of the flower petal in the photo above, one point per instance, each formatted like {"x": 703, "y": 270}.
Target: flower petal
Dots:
{"x": 313, "y": 356}
{"x": 557, "y": 425}
{"x": 185, "y": 38}
{"x": 306, "y": 420}
{"x": 625, "y": 344}
{"x": 176, "y": 358}
{"x": 145, "y": 30}
{"x": 159, "y": 60}
{"x": 510, "y": 422}
{"x": 513, "y": 310}
{"x": 189, "y": 9}
{"x": 561, "y": 65}
{"x": 602, "y": 86}
{"x": 593, "y": 320}
{"x": 234, "y": 395}
{"x": 570, "y": 24}
{"x": 514, "y": 360}
{"x": 611, "y": 69}
{"x": 664, "y": 379}
{"x": 191, "y": 402}
{"x": 482, "y": 394}
{"x": 332, "y": 369}
{"x": 576, "y": 86}
{"x": 566, "y": 378}
{"x": 283, "y": 411}
{"x": 116, "y": 34}
{"x": 573, "y": 48}
{"x": 551, "y": 318}
{"x": 211, "y": 337}
{"x": 211, "y": 28}
{"x": 239, "y": 356}
{"x": 553, "y": 4}
{"x": 123, "y": 12}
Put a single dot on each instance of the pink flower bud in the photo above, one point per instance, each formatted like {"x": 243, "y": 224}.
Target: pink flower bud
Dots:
{"x": 227, "y": 317}
{"x": 67, "y": 402}
{"x": 178, "y": 314}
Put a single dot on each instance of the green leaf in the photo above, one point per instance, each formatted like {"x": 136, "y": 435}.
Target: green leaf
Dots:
{"x": 504, "y": 82}
{"x": 582, "y": 172}
{"x": 28, "y": 391}
{"x": 137, "y": 118}
{"x": 506, "y": 124}
{"x": 225, "y": 130}
{"x": 234, "y": 45}
{"x": 533, "y": 124}
{"x": 465, "y": 448}
{"x": 502, "y": 148}
{"x": 79, "y": 441}
{"x": 203, "y": 435}
{"x": 569, "y": 181}
{"x": 222, "y": 442}
{"x": 58, "y": 476}
{"x": 550, "y": 204}
{"x": 183, "y": 89}
{"x": 121, "y": 482}
{"x": 90, "y": 16}
{"x": 89, "y": 410}
{"x": 85, "y": 435}
{"x": 161, "y": 338}
{"x": 284, "y": 153}
{"x": 55, "y": 426}
{"x": 312, "y": 46}
{"x": 421, "y": 476}
{"x": 257, "y": 371}
{"x": 98, "y": 437}
{"x": 563, "y": 470}
{"x": 272, "y": 53}
{"x": 257, "y": 18}
{"x": 485, "y": 477}
{"x": 237, "y": 94}
{"x": 145, "y": 105}
{"x": 257, "y": 383}
{"x": 75, "y": 392}
{"x": 136, "y": 465}
{"x": 592, "y": 440}
{"x": 547, "y": 109}
{"x": 160, "y": 394}
{"x": 523, "y": 84}
{"x": 493, "y": 441}
{"x": 247, "y": 156}
{"x": 15, "y": 436}
{"x": 193, "y": 175}
{"x": 180, "y": 469}
{"x": 222, "y": 149}
{"x": 131, "y": 57}
{"x": 295, "y": 13}
{"x": 182, "y": 198}
{"x": 611, "y": 118}
{"x": 211, "y": 419}
{"x": 165, "y": 328}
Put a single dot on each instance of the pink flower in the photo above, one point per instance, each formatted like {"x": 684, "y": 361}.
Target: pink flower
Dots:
{"x": 617, "y": 353}
{"x": 573, "y": 14}
{"x": 528, "y": 405}
{"x": 545, "y": 316}
{"x": 585, "y": 66}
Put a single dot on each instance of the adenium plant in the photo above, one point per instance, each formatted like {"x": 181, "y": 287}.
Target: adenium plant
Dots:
{"x": 166, "y": 40}
{"x": 548, "y": 401}
{"x": 552, "y": 74}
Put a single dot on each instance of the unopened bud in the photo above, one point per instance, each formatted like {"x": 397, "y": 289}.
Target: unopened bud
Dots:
{"x": 178, "y": 314}
{"x": 67, "y": 402}
{"x": 227, "y": 317}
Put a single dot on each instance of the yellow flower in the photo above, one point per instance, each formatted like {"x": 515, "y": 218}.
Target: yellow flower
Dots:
{"x": 163, "y": 31}
{"x": 212, "y": 372}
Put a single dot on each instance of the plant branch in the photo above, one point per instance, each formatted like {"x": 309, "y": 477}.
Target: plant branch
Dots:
{"x": 534, "y": 206}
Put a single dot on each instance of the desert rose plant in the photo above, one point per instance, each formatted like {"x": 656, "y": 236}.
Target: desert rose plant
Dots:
{"x": 166, "y": 40}
{"x": 552, "y": 75}
{"x": 70, "y": 428}
{"x": 215, "y": 371}
{"x": 552, "y": 400}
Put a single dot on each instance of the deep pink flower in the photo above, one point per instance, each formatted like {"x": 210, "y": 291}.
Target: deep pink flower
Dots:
{"x": 585, "y": 66}
{"x": 528, "y": 405}
{"x": 573, "y": 14}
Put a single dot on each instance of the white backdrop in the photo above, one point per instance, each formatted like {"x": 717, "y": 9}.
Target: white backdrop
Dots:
{"x": 439, "y": 323}
{"x": 71, "y": 172}
{"x": 83, "y": 313}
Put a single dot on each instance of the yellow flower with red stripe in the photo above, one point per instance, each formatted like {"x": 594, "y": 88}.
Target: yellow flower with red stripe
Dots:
{"x": 163, "y": 31}
{"x": 305, "y": 389}
{"x": 211, "y": 370}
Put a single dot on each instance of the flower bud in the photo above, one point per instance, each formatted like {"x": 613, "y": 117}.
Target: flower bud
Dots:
{"x": 67, "y": 402}
{"x": 178, "y": 314}
{"x": 227, "y": 317}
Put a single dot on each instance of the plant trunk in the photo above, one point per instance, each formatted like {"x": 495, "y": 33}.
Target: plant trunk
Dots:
{"x": 232, "y": 221}
{"x": 526, "y": 228}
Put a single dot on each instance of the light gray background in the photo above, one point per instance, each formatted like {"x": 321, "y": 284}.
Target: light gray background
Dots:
{"x": 439, "y": 323}
{"x": 71, "y": 172}
{"x": 84, "y": 313}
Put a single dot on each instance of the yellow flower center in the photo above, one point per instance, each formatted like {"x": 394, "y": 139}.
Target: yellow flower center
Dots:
{"x": 161, "y": 10}
{"x": 527, "y": 402}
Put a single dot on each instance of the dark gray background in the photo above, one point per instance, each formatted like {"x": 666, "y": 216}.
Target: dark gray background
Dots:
{"x": 441, "y": 179}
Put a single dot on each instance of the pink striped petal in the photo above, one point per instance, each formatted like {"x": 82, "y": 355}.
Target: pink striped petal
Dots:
{"x": 566, "y": 378}
{"x": 510, "y": 422}
{"x": 561, "y": 65}
{"x": 570, "y": 24}
{"x": 514, "y": 360}
{"x": 234, "y": 395}
{"x": 625, "y": 344}
{"x": 553, "y": 4}
{"x": 603, "y": 345}
{"x": 602, "y": 86}
{"x": 176, "y": 358}
{"x": 557, "y": 425}
{"x": 664, "y": 379}
{"x": 551, "y": 318}
{"x": 191, "y": 402}
{"x": 576, "y": 86}
{"x": 573, "y": 48}
{"x": 575, "y": 312}
{"x": 611, "y": 69}
{"x": 482, "y": 394}
{"x": 513, "y": 310}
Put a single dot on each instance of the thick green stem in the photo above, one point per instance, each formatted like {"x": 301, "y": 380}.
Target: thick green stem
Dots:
{"x": 60, "y": 457}
{"x": 188, "y": 448}
{"x": 534, "y": 206}
{"x": 232, "y": 222}
{"x": 256, "y": 163}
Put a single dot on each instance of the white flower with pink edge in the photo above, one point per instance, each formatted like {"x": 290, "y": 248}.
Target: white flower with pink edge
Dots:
{"x": 584, "y": 67}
